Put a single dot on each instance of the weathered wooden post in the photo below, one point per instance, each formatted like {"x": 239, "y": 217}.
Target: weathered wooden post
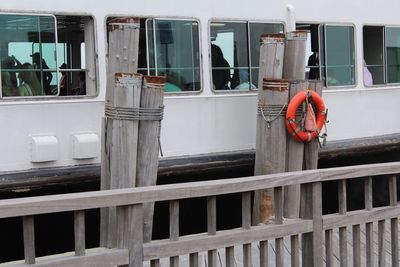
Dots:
{"x": 295, "y": 55}
{"x": 294, "y": 69}
{"x": 311, "y": 202}
{"x": 272, "y": 99}
{"x": 151, "y": 114}
{"x": 119, "y": 134}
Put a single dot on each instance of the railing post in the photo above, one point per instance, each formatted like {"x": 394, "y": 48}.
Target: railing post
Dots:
{"x": 311, "y": 208}
{"x": 394, "y": 222}
{"x": 29, "y": 239}
{"x": 130, "y": 232}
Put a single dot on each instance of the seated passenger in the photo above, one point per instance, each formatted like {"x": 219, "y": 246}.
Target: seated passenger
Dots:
{"x": 82, "y": 83}
{"x": 45, "y": 75}
{"x": 6, "y": 85}
{"x": 29, "y": 83}
{"x": 220, "y": 69}
{"x": 10, "y": 63}
{"x": 170, "y": 87}
{"x": 63, "y": 80}
{"x": 244, "y": 81}
{"x": 368, "y": 81}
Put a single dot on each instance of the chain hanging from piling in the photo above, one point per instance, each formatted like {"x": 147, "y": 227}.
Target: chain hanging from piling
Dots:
{"x": 274, "y": 111}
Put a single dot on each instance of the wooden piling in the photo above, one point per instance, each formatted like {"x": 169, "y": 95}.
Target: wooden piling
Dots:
{"x": 151, "y": 106}
{"x": 272, "y": 50}
{"x": 123, "y": 45}
{"x": 310, "y": 201}
{"x": 311, "y": 149}
{"x": 124, "y": 139}
{"x": 271, "y": 142}
{"x": 294, "y": 158}
{"x": 295, "y": 55}
{"x": 294, "y": 70}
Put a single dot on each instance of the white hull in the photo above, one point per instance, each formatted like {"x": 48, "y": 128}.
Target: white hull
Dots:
{"x": 205, "y": 122}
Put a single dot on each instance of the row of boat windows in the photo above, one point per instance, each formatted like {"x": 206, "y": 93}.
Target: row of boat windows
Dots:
{"x": 55, "y": 55}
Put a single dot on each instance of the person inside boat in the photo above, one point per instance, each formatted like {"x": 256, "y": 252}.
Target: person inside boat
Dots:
{"x": 11, "y": 64}
{"x": 81, "y": 89}
{"x": 220, "y": 69}
{"x": 63, "y": 80}
{"x": 46, "y": 76}
{"x": 6, "y": 84}
{"x": 368, "y": 80}
{"x": 313, "y": 63}
{"x": 29, "y": 84}
{"x": 244, "y": 81}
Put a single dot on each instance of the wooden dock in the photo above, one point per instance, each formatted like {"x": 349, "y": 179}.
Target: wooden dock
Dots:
{"x": 367, "y": 237}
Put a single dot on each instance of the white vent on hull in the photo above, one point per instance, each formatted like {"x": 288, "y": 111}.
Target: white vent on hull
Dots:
{"x": 85, "y": 146}
{"x": 44, "y": 148}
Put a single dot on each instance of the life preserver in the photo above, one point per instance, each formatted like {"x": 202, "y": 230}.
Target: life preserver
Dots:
{"x": 291, "y": 125}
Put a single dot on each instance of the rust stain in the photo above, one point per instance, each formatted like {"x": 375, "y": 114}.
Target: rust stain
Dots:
{"x": 266, "y": 207}
{"x": 155, "y": 79}
{"x": 122, "y": 78}
{"x": 122, "y": 22}
{"x": 272, "y": 35}
{"x": 301, "y": 34}
{"x": 280, "y": 85}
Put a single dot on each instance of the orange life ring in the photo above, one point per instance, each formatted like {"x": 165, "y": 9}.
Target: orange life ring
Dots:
{"x": 291, "y": 125}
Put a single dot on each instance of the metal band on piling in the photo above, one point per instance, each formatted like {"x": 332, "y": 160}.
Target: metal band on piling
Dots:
{"x": 297, "y": 35}
{"x": 272, "y": 38}
{"x": 276, "y": 84}
{"x": 123, "y": 23}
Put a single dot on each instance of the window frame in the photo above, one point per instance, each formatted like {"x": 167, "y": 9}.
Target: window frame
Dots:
{"x": 325, "y": 69}
{"x": 386, "y": 56}
{"x": 384, "y": 39}
{"x": 188, "y": 19}
{"x": 57, "y": 69}
{"x": 56, "y": 54}
{"x": 247, "y": 22}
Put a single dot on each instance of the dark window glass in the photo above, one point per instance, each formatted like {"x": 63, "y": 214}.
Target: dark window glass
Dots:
{"x": 32, "y": 49}
{"x": 374, "y": 55}
{"x": 393, "y": 54}
{"x": 24, "y": 70}
{"x": 235, "y": 52}
{"x": 339, "y": 55}
{"x": 171, "y": 48}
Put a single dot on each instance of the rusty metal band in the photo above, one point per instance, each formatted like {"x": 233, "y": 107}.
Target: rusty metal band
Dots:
{"x": 134, "y": 114}
{"x": 280, "y": 85}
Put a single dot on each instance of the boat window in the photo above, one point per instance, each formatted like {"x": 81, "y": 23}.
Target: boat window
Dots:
{"x": 392, "y": 54}
{"x": 339, "y": 67}
{"x": 170, "y": 47}
{"x": 330, "y": 54}
{"x": 41, "y": 56}
{"x": 235, "y": 49}
{"x": 374, "y": 55}
{"x": 381, "y": 50}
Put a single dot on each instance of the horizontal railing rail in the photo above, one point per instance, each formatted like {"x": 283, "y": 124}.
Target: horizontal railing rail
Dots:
{"x": 132, "y": 251}
{"x": 130, "y": 196}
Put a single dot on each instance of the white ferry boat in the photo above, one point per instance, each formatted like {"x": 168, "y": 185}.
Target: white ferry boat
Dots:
{"x": 54, "y": 62}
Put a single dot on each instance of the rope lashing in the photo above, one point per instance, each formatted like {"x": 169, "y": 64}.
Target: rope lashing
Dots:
{"x": 134, "y": 114}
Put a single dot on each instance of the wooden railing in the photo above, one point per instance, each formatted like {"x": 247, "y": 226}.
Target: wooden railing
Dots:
{"x": 314, "y": 228}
